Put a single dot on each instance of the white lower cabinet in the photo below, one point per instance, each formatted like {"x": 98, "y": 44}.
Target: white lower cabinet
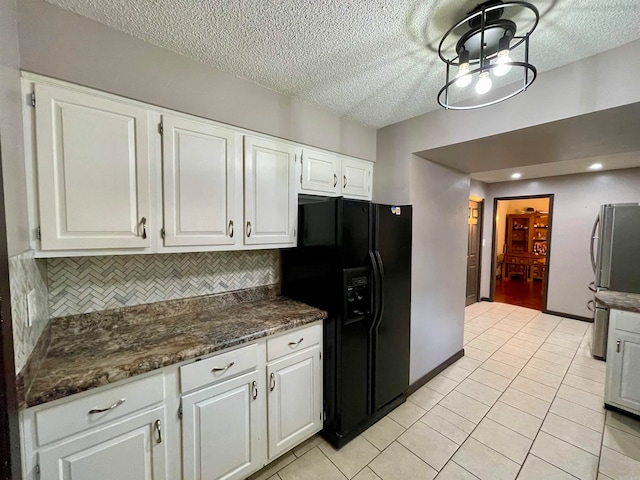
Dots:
{"x": 623, "y": 361}
{"x": 221, "y": 430}
{"x": 232, "y": 413}
{"x": 132, "y": 449}
{"x": 295, "y": 399}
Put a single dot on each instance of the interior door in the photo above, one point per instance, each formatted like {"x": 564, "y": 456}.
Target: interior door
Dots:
{"x": 473, "y": 251}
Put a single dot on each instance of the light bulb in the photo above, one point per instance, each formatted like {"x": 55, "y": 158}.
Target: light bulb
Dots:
{"x": 463, "y": 78}
{"x": 502, "y": 64}
{"x": 484, "y": 83}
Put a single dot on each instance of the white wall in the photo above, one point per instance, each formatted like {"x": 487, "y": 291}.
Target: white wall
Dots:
{"x": 576, "y": 204}
{"x": 441, "y": 205}
{"x": 61, "y": 44}
{"x": 15, "y": 193}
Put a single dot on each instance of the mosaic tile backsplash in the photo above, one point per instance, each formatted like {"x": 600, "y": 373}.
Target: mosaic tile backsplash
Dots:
{"x": 90, "y": 284}
{"x": 27, "y": 273}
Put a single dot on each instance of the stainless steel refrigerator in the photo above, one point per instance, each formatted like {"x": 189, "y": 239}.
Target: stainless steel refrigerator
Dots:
{"x": 615, "y": 258}
{"x": 354, "y": 260}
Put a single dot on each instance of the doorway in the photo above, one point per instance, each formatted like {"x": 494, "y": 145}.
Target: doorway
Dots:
{"x": 521, "y": 246}
{"x": 476, "y": 208}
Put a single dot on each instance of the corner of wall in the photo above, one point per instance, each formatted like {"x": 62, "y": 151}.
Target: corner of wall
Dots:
{"x": 26, "y": 273}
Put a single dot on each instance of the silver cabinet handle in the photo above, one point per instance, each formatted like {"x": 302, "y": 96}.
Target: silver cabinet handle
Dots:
{"x": 335, "y": 180}
{"x": 231, "y": 228}
{"x": 223, "y": 369}
{"x": 143, "y": 224}
{"x": 272, "y": 382}
{"x": 295, "y": 344}
{"x": 93, "y": 411}
{"x": 254, "y": 389}
{"x": 618, "y": 345}
{"x": 344, "y": 181}
{"x": 158, "y": 427}
{"x": 248, "y": 229}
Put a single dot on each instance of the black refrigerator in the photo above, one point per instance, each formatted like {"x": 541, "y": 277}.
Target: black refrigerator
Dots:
{"x": 354, "y": 260}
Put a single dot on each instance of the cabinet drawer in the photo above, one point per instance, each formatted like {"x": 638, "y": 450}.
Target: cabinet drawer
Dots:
{"x": 293, "y": 341}
{"x": 219, "y": 367}
{"x": 74, "y": 416}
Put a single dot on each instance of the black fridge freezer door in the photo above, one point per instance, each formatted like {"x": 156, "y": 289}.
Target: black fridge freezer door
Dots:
{"x": 391, "y": 336}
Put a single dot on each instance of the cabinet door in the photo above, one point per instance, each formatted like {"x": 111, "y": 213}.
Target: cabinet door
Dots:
{"x": 221, "y": 434}
{"x": 134, "y": 449}
{"x": 93, "y": 171}
{"x": 356, "y": 178}
{"x": 199, "y": 174}
{"x": 623, "y": 369}
{"x": 295, "y": 399}
{"x": 320, "y": 172}
{"x": 271, "y": 204}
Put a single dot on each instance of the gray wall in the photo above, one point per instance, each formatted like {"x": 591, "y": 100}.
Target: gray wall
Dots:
{"x": 576, "y": 205}
{"x": 61, "y": 44}
{"x": 574, "y": 89}
{"x": 440, "y": 199}
{"x": 15, "y": 195}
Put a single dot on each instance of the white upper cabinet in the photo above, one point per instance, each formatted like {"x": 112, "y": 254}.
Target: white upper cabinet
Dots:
{"x": 93, "y": 171}
{"x": 320, "y": 172}
{"x": 356, "y": 178}
{"x": 270, "y": 196}
{"x": 199, "y": 177}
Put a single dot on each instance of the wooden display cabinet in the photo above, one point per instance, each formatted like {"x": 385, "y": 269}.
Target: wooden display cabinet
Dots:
{"x": 526, "y": 246}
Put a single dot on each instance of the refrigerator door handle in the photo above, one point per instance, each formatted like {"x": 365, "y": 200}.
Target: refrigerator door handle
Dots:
{"x": 381, "y": 296}
{"x": 593, "y": 241}
{"x": 592, "y": 287}
{"x": 376, "y": 285}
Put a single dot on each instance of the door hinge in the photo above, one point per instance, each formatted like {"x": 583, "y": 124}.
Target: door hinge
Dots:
{"x": 37, "y": 470}
{"x": 162, "y": 232}
{"x": 160, "y": 128}
{"x": 33, "y": 99}
{"x": 38, "y": 233}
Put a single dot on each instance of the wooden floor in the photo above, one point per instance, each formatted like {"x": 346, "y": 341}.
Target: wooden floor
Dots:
{"x": 516, "y": 292}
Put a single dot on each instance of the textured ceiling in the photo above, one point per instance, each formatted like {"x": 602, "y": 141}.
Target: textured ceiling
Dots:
{"x": 374, "y": 61}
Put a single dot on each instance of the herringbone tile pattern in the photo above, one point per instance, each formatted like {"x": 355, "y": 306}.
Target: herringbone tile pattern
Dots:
{"x": 89, "y": 284}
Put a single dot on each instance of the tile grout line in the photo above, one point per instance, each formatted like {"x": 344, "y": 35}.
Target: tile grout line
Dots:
{"x": 546, "y": 414}
{"x": 490, "y": 407}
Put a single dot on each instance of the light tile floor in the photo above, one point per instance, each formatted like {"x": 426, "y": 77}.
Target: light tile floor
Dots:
{"x": 525, "y": 402}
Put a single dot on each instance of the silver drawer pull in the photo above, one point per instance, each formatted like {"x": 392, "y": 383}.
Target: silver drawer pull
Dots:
{"x": 223, "y": 369}
{"x": 272, "y": 382}
{"x": 254, "y": 389}
{"x": 618, "y": 345}
{"x": 102, "y": 410}
{"x": 295, "y": 344}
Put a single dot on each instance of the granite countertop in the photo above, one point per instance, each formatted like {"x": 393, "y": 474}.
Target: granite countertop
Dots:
{"x": 92, "y": 350}
{"x": 629, "y": 302}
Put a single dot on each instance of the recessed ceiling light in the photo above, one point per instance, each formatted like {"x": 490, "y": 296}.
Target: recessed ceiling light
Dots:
{"x": 516, "y": 175}
{"x": 595, "y": 166}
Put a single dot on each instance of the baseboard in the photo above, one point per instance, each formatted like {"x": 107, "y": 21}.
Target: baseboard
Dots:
{"x": 485, "y": 299}
{"x": 449, "y": 361}
{"x": 569, "y": 315}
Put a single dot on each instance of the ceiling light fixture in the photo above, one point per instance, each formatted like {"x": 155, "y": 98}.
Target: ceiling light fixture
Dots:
{"x": 487, "y": 41}
{"x": 516, "y": 176}
{"x": 595, "y": 166}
